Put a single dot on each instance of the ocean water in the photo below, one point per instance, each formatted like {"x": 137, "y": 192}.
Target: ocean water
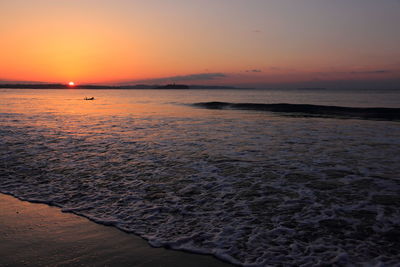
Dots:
{"x": 252, "y": 187}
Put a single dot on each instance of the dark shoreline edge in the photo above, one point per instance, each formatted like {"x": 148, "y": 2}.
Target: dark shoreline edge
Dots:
{"x": 223, "y": 260}
{"x": 116, "y": 87}
{"x": 307, "y": 110}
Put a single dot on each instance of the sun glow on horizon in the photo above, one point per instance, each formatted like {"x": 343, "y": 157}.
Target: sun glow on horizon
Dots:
{"x": 105, "y": 42}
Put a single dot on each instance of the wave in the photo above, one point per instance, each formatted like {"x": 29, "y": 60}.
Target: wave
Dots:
{"x": 390, "y": 114}
{"x": 290, "y": 194}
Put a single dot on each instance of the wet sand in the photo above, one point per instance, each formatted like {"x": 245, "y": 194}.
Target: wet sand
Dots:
{"x": 39, "y": 235}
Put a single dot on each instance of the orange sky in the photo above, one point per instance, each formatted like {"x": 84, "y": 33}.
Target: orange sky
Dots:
{"x": 256, "y": 41}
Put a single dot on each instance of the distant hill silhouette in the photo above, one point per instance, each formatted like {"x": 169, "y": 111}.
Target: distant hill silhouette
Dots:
{"x": 34, "y": 86}
{"x": 173, "y": 86}
{"x": 92, "y": 86}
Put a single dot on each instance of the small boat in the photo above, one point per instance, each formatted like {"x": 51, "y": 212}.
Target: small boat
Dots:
{"x": 89, "y": 98}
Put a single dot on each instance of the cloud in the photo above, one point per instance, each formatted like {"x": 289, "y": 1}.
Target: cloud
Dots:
{"x": 5, "y": 81}
{"x": 182, "y": 78}
{"x": 371, "y": 72}
{"x": 255, "y": 71}
{"x": 361, "y": 72}
{"x": 196, "y": 77}
{"x": 351, "y": 84}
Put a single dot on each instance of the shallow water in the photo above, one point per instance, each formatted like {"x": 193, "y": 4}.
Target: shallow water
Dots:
{"x": 254, "y": 188}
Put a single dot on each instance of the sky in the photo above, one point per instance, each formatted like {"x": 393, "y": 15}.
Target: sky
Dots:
{"x": 256, "y": 43}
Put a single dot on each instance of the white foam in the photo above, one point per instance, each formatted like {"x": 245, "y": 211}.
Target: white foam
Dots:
{"x": 273, "y": 192}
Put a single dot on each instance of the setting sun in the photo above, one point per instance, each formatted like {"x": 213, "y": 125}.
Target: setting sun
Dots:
{"x": 71, "y": 84}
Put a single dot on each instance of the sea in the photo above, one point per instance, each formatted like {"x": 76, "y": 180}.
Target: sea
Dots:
{"x": 254, "y": 177}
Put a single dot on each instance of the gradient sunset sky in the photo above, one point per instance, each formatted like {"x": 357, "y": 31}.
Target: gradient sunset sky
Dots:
{"x": 236, "y": 42}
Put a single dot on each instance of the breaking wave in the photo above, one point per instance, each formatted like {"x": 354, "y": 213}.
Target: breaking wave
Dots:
{"x": 249, "y": 188}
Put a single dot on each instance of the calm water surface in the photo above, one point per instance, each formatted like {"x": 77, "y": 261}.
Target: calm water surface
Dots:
{"x": 253, "y": 188}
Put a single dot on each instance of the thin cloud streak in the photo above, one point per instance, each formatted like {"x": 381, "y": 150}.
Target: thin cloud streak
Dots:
{"x": 371, "y": 72}
{"x": 181, "y": 78}
{"x": 5, "y": 81}
{"x": 359, "y": 72}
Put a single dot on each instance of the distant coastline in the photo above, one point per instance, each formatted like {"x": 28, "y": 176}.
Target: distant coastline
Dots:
{"x": 111, "y": 87}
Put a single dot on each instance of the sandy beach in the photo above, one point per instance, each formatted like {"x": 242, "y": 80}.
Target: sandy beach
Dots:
{"x": 34, "y": 234}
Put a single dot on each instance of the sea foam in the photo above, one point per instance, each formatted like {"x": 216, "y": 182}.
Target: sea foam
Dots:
{"x": 251, "y": 189}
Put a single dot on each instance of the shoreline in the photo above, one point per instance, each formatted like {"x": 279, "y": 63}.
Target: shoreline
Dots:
{"x": 39, "y": 234}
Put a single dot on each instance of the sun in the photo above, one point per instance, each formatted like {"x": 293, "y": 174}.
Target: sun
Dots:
{"x": 71, "y": 84}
